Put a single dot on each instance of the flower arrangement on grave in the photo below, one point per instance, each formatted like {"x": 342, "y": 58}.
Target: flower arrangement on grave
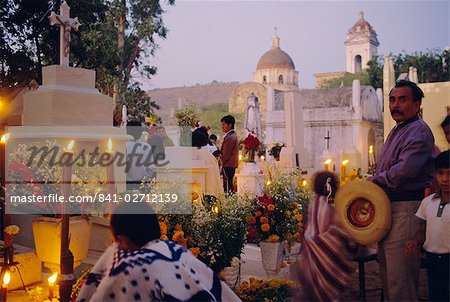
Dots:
{"x": 42, "y": 176}
{"x": 279, "y": 213}
{"x": 250, "y": 146}
{"x": 275, "y": 289}
{"x": 186, "y": 117}
{"x": 353, "y": 175}
{"x": 275, "y": 150}
{"x": 215, "y": 232}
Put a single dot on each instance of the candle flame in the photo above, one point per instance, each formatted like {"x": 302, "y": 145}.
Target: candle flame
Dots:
{"x": 70, "y": 146}
{"x": 215, "y": 210}
{"x": 328, "y": 161}
{"x": 269, "y": 182}
{"x": 6, "y": 278}
{"x": 370, "y": 149}
{"x": 52, "y": 278}
{"x": 262, "y": 157}
{"x": 304, "y": 182}
{"x": 240, "y": 157}
{"x": 109, "y": 145}
{"x": 5, "y": 137}
{"x": 344, "y": 162}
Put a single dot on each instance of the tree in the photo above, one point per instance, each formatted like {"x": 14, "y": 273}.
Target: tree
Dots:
{"x": 210, "y": 115}
{"x": 115, "y": 38}
{"x": 432, "y": 66}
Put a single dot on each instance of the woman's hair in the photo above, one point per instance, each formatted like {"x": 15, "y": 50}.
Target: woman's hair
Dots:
{"x": 139, "y": 228}
{"x": 320, "y": 183}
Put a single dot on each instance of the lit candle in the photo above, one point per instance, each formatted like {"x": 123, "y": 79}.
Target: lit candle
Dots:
{"x": 51, "y": 283}
{"x": 326, "y": 164}
{"x": 240, "y": 157}
{"x": 269, "y": 182}
{"x": 304, "y": 182}
{"x": 371, "y": 156}
{"x": 343, "y": 164}
{"x": 5, "y": 283}
{"x": 5, "y": 138}
{"x": 110, "y": 170}
{"x": 262, "y": 157}
{"x": 215, "y": 210}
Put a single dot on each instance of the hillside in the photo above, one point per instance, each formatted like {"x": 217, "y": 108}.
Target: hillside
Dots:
{"x": 206, "y": 94}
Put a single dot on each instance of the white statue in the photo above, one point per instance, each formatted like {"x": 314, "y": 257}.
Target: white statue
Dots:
{"x": 252, "y": 117}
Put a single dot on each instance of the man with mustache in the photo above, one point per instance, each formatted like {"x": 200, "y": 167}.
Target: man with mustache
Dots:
{"x": 404, "y": 170}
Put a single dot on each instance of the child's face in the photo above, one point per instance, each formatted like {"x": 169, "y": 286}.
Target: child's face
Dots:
{"x": 443, "y": 179}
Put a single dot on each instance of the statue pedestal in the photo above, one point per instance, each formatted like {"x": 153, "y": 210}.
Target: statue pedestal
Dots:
{"x": 250, "y": 180}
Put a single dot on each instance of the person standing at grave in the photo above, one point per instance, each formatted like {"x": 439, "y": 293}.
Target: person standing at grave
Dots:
{"x": 404, "y": 171}
{"x": 230, "y": 152}
{"x": 434, "y": 212}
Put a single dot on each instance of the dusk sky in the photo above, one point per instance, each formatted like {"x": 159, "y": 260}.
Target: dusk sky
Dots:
{"x": 223, "y": 41}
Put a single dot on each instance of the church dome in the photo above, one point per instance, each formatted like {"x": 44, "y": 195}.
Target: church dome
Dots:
{"x": 275, "y": 58}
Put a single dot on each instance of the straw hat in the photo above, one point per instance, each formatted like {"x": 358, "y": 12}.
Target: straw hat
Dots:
{"x": 365, "y": 211}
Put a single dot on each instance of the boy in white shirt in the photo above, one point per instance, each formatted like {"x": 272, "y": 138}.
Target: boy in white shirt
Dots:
{"x": 435, "y": 211}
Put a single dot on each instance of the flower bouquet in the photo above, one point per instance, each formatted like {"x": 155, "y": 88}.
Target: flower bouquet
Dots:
{"x": 275, "y": 289}
{"x": 250, "y": 146}
{"x": 186, "y": 118}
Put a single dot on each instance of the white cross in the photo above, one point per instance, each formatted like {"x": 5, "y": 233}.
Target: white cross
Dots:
{"x": 66, "y": 24}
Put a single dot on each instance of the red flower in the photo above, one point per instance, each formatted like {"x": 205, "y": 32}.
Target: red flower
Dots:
{"x": 252, "y": 232}
{"x": 251, "y": 142}
{"x": 265, "y": 200}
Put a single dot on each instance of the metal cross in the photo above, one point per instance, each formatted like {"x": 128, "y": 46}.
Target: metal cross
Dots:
{"x": 328, "y": 140}
{"x": 66, "y": 24}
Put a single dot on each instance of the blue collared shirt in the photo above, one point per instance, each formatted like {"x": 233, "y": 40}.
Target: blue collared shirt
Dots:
{"x": 406, "y": 162}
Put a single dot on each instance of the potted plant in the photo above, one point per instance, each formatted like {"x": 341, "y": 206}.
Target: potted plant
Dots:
{"x": 277, "y": 216}
{"x": 186, "y": 118}
{"x": 34, "y": 176}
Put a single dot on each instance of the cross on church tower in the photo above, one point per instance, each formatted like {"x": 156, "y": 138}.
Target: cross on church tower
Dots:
{"x": 66, "y": 24}
{"x": 328, "y": 140}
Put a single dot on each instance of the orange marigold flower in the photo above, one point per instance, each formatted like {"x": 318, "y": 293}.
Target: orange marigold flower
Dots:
{"x": 265, "y": 227}
{"x": 195, "y": 251}
{"x": 299, "y": 217}
{"x": 179, "y": 235}
{"x": 270, "y": 207}
{"x": 178, "y": 227}
{"x": 195, "y": 195}
{"x": 274, "y": 238}
{"x": 288, "y": 213}
{"x": 250, "y": 220}
{"x": 163, "y": 227}
{"x": 296, "y": 235}
{"x": 264, "y": 219}
{"x": 164, "y": 237}
{"x": 258, "y": 213}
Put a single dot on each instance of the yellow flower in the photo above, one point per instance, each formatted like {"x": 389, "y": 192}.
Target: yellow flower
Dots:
{"x": 264, "y": 219}
{"x": 271, "y": 207}
{"x": 194, "y": 251}
{"x": 178, "y": 227}
{"x": 299, "y": 217}
{"x": 12, "y": 229}
{"x": 265, "y": 227}
{"x": 274, "y": 238}
{"x": 164, "y": 237}
{"x": 288, "y": 213}
{"x": 250, "y": 220}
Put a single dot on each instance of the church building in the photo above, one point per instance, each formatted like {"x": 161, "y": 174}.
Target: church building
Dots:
{"x": 338, "y": 123}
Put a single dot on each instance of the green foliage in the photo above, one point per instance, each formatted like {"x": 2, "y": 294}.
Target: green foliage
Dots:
{"x": 211, "y": 114}
{"x": 347, "y": 80}
{"x": 432, "y": 66}
{"x": 139, "y": 105}
{"x": 375, "y": 72}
